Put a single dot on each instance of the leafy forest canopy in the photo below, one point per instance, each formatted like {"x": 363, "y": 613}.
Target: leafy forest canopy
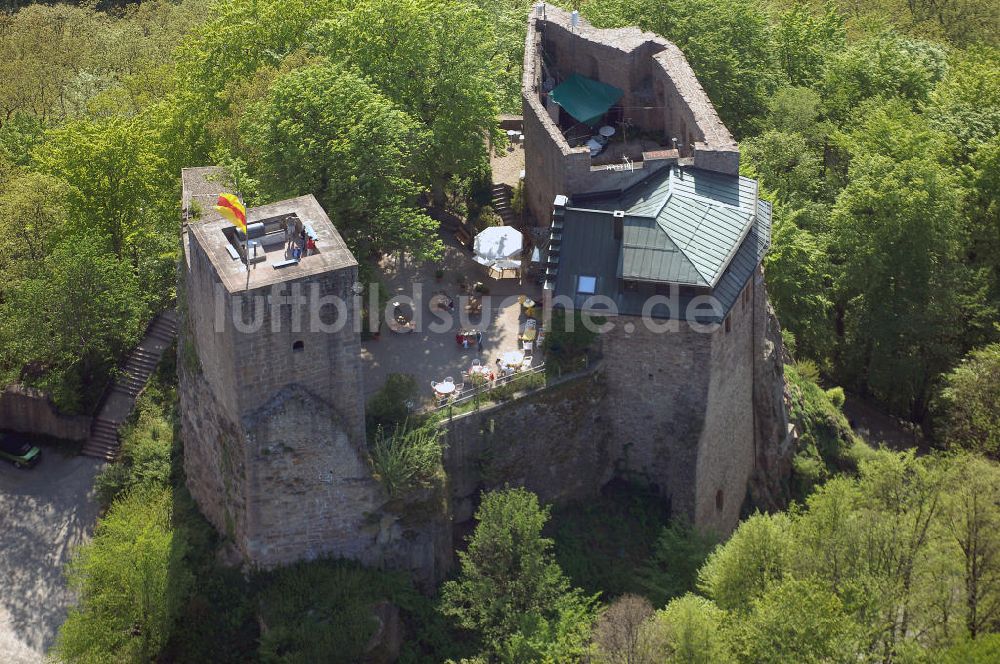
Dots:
{"x": 874, "y": 127}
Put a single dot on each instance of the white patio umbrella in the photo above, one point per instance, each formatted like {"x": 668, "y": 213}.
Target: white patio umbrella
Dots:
{"x": 497, "y": 248}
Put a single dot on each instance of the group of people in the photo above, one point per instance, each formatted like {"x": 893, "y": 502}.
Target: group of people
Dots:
{"x": 298, "y": 243}
{"x": 503, "y": 370}
{"x": 466, "y": 338}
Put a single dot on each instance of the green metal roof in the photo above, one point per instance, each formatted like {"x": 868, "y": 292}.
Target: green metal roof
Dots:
{"x": 682, "y": 225}
{"x": 701, "y": 214}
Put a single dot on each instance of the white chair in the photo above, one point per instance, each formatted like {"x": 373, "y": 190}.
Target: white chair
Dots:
{"x": 476, "y": 362}
{"x": 458, "y": 388}
{"x": 434, "y": 385}
{"x": 449, "y": 379}
{"x": 525, "y": 363}
{"x": 528, "y": 345}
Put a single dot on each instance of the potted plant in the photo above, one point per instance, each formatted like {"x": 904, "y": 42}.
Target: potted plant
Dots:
{"x": 481, "y": 288}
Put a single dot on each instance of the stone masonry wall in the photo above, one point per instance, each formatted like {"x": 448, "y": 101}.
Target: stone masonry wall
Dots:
{"x": 214, "y": 457}
{"x": 552, "y": 442}
{"x": 328, "y": 362}
{"x": 726, "y": 446}
{"x": 658, "y": 386}
{"x": 313, "y": 494}
{"x": 28, "y": 410}
{"x": 661, "y": 94}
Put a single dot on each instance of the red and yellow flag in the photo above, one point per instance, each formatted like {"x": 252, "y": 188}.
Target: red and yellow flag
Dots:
{"x": 230, "y": 207}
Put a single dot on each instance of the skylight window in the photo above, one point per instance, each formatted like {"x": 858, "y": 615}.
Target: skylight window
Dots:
{"x": 586, "y": 285}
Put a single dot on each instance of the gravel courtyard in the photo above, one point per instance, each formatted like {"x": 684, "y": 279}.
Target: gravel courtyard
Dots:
{"x": 44, "y": 513}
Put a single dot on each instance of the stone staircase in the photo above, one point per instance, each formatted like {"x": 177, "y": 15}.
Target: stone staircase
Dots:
{"x": 103, "y": 442}
{"x": 501, "y": 204}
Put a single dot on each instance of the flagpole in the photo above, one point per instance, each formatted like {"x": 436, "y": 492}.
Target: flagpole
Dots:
{"x": 246, "y": 233}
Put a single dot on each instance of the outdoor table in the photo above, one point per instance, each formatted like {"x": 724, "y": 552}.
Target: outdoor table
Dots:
{"x": 444, "y": 388}
{"x": 513, "y": 358}
{"x": 607, "y": 131}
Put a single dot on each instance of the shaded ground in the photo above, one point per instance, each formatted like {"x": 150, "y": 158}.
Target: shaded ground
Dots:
{"x": 876, "y": 427}
{"x": 44, "y": 513}
{"x": 430, "y": 353}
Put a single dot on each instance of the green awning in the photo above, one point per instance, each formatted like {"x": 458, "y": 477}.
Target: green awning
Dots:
{"x": 586, "y": 99}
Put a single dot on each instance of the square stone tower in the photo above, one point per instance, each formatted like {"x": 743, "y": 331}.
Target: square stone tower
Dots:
{"x": 271, "y": 391}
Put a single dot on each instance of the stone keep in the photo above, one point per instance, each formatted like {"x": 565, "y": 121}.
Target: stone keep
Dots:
{"x": 272, "y": 413}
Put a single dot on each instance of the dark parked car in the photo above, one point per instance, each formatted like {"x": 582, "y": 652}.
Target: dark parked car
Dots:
{"x": 18, "y": 451}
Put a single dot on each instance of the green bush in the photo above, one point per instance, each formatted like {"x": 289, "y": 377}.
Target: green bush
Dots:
{"x": 393, "y": 404}
{"x": 836, "y": 397}
{"x": 147, "y": 446}
{"x": 409, "y": 456}
{"x": 672, "y": 568}
{"x": 827, "y": 445}
{"x": 568, "y": 341}
{"x": 605, "y": 543}
{"x": 129, "y": 580}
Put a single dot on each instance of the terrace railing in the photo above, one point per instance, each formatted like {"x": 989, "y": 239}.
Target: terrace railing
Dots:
{"x": 505, "y": 388}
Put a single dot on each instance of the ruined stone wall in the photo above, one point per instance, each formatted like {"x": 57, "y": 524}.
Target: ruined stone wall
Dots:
{"x": 214, "y": 455}
{"x": 661, "y": 94}
{"x": 553, "y": 442}
{"x": 28, "y": 410}
{"x": 313, "y": 494}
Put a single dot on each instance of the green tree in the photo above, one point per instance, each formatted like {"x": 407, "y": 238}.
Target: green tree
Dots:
{"x": 798, "y": 273}
{"x": 966, "y": 102}
{"x": 118, "y": 188}
{"x": 324, "y": 129}
{"x": 756, "y": 555}
{"x": 785, "y": 163}
{"x": 128, "y": 580}
{"x": 804, "y": 40}
{"x": 510, "y": 590}
{"x": 33, "y": 216}
{"x": 883, "y": 66}
{"x": 796, "y": 622}
{"x": 72, "y": 321}
{"x": 690, "y": 630}
{"x": 897, "y": 240}
{"x": 968, "y": 405}
{"x": 433, "y": 59}
{"x": 672, "y": 567}
{"x": 983, "y": 212}
{"x": 972, "y": 520}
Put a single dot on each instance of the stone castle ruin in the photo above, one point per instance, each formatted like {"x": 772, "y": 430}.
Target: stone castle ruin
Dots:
{"x": 662, "y": 107}
{"x": 273, "y": 412}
